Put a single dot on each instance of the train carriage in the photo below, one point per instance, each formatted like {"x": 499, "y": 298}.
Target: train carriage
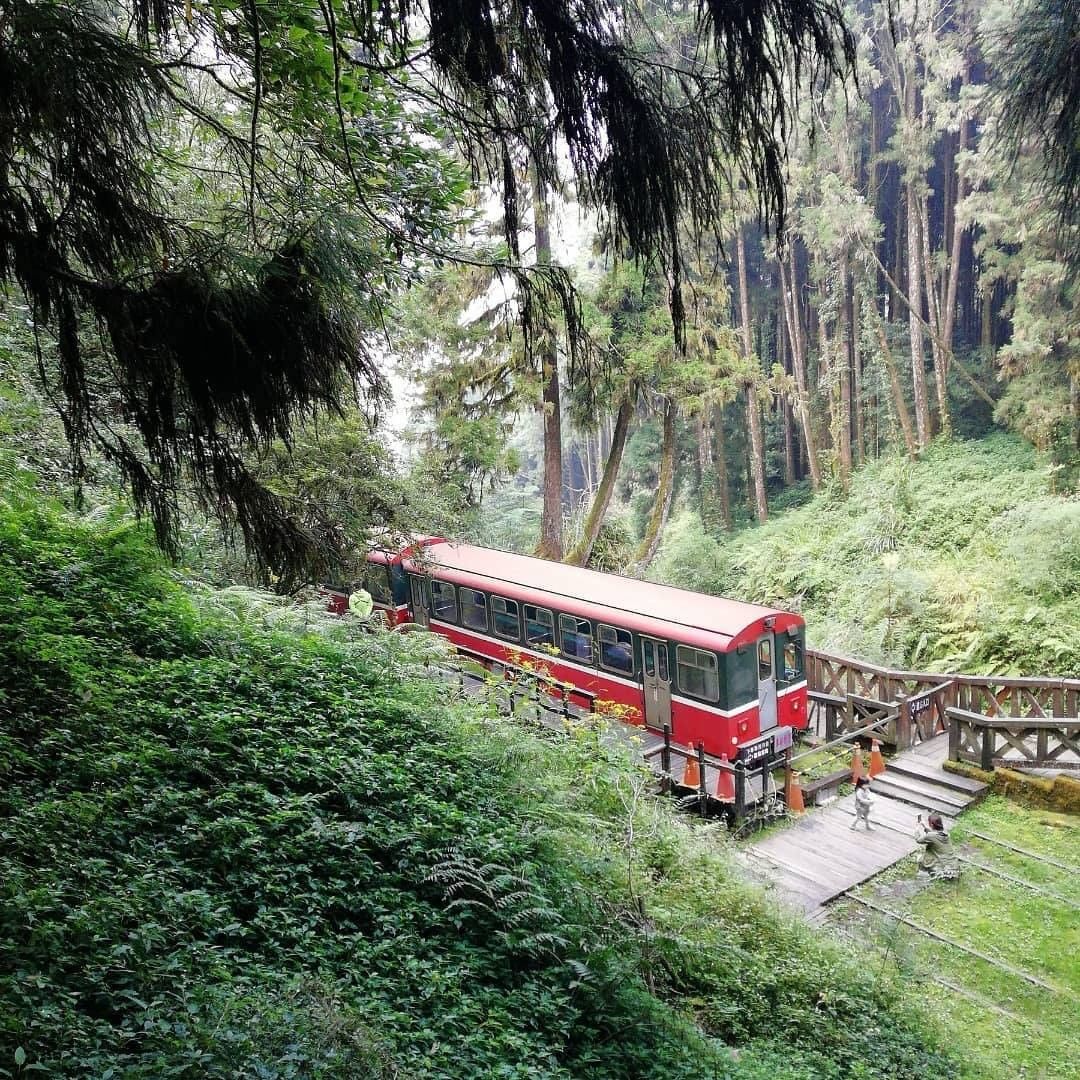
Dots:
{"x": 721, "y": 672}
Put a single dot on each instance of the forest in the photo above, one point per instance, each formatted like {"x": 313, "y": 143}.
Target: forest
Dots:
{"x": 774, "y": 300}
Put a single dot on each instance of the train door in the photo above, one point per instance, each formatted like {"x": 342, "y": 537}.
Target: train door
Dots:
{"x": 656, "y": 682}
{"x": 766, "y": 658}
{"x": 421, "y": 606}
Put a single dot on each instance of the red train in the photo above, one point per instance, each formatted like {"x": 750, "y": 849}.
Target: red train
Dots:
{"x": 721, "y": 672}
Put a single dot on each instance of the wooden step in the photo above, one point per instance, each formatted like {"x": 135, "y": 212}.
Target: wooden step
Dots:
{"x": 917, "y": 770}
{"x": 927, "y": 796}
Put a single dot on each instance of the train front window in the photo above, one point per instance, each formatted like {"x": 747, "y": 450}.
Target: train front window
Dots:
{"x": 444, "y": 601}
{"x": 474, "y": 609}
{"x": 504, "y": 614}
{"x": 576, "y": 637}
{"x": 793, "y": 663}
{"x": 764, "y": 660}
{"x": 539, "y": 626}
{"x": 616, "y": 649}
{"x": 697, "y": 673}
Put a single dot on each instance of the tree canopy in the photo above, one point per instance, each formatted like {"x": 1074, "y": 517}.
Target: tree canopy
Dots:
{"x": 208, "y": 203}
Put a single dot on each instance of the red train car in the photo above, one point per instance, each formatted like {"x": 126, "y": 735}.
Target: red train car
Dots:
{"x": 721, "y": 672}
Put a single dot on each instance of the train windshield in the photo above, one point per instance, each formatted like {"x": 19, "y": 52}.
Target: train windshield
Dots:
{"x": 793, "y": 661}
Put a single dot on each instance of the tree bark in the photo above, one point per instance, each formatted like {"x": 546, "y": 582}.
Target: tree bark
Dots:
{"x": 948, "y": 315}
{"x": 857, "y": 381}
{"x": 937, "y": 346}
{"x": 797, "y": 344}
{"x": 899, "y": 402}
{"x": 753, "y": 406}
{"x": 843, "y": 358}
{"x": 782, "y": 358}
{"x": 551, "y": 541}
{"x": 720, "y": 457}
{"x": 914, "y": 298}
{"x": 595, "y": 518}
{"x": 665, "y": 489}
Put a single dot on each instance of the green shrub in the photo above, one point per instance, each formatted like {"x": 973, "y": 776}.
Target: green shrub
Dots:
{"x": 961, "y": 561}
{"x": 236, "y": 847}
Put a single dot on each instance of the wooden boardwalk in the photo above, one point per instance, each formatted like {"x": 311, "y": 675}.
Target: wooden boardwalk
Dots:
{"x": 819, "y": 856}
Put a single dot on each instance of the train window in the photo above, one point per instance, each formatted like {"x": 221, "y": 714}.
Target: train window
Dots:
{"x": 576, "y": 637}
{"x": 504, "y": 614}
{"x": 764, "y": 660}
{"x": 376, "y": 579}
{"x": 616, "y": 649}
{"x": 792, "y": 661}
{"x": 697, "y": 673}
{"x": 473, "y": 609}
{"x": 443, "y": 601}
{"x": 539, "y": 626}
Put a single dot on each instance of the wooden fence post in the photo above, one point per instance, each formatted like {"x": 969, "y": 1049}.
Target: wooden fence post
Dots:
{"x": 740, "y": 793}
{"x": 903, "y": 724}
{"x": 954, "y": 738}
{"x": 703, "y": 791}
{"x": 665, "y": 754}
{"x": 987, "y": 761}
{"x": 830, "y": 722}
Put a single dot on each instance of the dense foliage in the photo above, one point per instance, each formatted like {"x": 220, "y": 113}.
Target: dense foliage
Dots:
{"x": 962, "y": 561}
{"x": 233, "y": 847}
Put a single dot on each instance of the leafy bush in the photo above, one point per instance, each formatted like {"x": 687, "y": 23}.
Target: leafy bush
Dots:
{"x": 961, "y": 561}
{"x": 241, "y": 841}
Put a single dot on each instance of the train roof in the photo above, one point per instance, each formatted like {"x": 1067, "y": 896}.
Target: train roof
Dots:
{"x": 644, "y": 606}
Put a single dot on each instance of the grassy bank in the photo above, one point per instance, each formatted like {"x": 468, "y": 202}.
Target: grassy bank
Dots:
{"x": 238, "y": 842}
{"x": 962, "y": 561}
{"x": 1003, "y": 1023}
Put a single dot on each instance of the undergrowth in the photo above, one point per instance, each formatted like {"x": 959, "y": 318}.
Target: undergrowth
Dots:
{"x": 962, "y": 561}
{"x": 241, "y": 840}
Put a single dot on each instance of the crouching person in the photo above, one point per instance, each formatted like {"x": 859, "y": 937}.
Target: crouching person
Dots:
{"x": 937, "y": 857}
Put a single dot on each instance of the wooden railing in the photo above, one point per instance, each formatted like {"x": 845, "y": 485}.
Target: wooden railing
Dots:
{"x": 929, "y": 694}
{"x": 1025, "y": 742}
{"x": 1017, "y": 697}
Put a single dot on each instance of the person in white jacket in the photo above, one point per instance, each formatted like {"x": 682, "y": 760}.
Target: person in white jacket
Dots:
{"x": 863, "y": 802}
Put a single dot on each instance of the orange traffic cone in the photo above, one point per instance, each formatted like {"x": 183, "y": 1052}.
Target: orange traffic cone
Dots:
{"x": 877, "y": 762}
{"x": 856, "y": 764}
{"x": 795, "y": 802}
{"x": 725, "y": 782}
{"x": 691, "y": 776}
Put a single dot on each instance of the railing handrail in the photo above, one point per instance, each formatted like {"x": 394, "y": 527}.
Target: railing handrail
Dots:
{"x": 883, "y": 721}
{"x": 1005, "y": 723}
{"x": 1049, "y": 682}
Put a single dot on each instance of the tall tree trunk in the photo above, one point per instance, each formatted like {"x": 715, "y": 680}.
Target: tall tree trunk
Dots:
{"x": 899, "y": 402}
{"x": 797, "y": 343}
{"x": 720, "y": 457}
{"x": 595, "y": 518}
{"x": 843, "y": 358}
{"x": 782, "y": 358}
{"x": 948, "y": 314}
{"x": 857, "y": 381}
{"x": 753, "y": 406}
{"x": 665, "y": 489}
{"x": 941, "y": 389}
{"x": 986, "y": 337}
{"x": 915, "y": 330}
{"x": 551, "y": 542}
